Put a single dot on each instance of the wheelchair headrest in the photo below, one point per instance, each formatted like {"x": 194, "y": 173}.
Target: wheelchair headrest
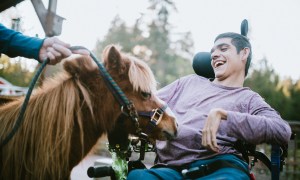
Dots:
{"x": 202, "y": 65}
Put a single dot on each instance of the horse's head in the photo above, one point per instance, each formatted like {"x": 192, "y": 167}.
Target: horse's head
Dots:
{"x": 136, "y": 80}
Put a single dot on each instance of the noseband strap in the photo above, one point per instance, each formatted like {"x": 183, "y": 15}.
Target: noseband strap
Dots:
{"x": 155, "y": 117}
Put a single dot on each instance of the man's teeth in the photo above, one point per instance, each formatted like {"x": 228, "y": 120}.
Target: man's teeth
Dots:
{"x": 219, "y": 63}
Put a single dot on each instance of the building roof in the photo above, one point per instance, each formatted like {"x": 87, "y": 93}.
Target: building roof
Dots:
{"x": 5, "y": 4}
{"x": 8, "y": 89}
{"x": 4, "y": 82}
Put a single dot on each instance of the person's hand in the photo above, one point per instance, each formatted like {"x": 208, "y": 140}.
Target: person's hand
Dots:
{"x": 56, "y": 50}
{"x": 209, "y": 132}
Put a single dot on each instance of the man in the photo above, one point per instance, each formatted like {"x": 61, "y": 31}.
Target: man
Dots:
{"x": 212, "y": 116}
{"x": 14, "y": 44}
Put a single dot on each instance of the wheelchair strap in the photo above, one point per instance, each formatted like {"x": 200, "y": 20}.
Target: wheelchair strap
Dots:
{"x": 206, "y": 169}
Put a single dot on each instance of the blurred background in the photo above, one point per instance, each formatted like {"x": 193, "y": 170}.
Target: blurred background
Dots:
{"x": 167, "y": 34}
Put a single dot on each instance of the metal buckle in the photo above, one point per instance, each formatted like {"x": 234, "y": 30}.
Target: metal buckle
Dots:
{"x": 157, "y": 116}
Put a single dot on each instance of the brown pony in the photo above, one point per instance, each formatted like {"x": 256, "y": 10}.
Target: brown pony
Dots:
{"x": 66, "y": 116}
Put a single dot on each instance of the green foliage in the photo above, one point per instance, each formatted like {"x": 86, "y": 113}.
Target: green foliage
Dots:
{"x": 282, "y": 95}
{"x": 295, "y": 102}
{"x": 15, "y": 71}
{"x": 168, "y": 59}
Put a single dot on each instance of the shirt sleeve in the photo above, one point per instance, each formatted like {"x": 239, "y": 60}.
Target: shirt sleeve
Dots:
{"x": 262, "y": 124}
{"x": 13, "y": 43}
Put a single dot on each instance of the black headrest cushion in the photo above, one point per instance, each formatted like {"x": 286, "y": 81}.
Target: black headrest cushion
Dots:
{"x": 202, "y": 65}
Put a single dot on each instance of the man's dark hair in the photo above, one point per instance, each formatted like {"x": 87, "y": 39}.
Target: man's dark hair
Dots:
{"x": 240, "y": 42}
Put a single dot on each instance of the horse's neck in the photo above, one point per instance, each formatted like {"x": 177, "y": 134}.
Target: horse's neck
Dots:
{"x": 105, "y": 114}
{"x": 81, "y": 145}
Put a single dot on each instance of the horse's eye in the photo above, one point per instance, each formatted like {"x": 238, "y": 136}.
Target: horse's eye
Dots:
{"x": 146, "y": 95}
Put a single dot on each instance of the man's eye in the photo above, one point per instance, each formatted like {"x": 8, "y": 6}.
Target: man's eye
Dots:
{"x": 223, "y": 49}
{"x": 146, "y": 95}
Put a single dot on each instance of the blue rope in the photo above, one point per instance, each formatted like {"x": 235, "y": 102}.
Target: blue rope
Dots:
{"x": 113, "y": 86}
{"x": 24, "y": 105}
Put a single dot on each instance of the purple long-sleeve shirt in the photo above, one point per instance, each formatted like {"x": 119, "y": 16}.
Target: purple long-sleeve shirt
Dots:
{"x": 249, "y": 118}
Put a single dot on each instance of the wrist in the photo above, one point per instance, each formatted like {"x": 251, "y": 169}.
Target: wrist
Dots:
{"x": 221, "y": 112}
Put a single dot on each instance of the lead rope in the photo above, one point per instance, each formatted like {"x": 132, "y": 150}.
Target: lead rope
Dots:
{"x": 127, "y": 106}
{"x": 24, "y": 105}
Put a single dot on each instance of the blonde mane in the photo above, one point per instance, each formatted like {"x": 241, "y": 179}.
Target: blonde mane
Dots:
{"x": 60, "y": 99}
{"x": 141, "y": 76}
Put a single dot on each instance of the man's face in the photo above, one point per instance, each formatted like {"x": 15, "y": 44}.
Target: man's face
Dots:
{"x": 225, "y": 59}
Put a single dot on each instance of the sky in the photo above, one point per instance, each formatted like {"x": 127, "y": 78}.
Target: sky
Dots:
{"x": 274, "y": 24}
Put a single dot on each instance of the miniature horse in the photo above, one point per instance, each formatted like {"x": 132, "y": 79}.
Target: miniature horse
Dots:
{"x": 66, "y": 116}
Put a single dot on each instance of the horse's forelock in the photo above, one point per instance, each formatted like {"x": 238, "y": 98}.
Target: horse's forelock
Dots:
{"x": 141, "y": 76}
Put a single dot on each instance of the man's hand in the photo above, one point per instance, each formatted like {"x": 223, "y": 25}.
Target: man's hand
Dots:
{"x": 56, "y": 50}
{"x": 209, "y": 132}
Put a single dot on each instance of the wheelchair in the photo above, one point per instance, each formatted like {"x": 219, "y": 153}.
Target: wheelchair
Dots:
{"x": 202, "y": 67}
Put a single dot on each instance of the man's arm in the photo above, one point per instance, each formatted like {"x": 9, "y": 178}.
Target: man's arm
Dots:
{"x": 262, "y": 124}
{"x": 263, "y": 127}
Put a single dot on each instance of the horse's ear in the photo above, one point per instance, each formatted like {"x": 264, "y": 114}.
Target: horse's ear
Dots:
{"x": 78, "y": 65}
{"x": 112, "y": 57}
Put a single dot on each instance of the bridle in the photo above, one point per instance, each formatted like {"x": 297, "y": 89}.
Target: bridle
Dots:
{"x": 127, "y": 107}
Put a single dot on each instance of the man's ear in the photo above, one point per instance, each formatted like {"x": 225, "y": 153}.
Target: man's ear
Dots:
{"x": 245, "y": 54}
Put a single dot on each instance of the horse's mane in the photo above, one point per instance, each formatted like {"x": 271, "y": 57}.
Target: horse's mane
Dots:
{"x": 141, "y": 76}
{"x": 42, "y": 143}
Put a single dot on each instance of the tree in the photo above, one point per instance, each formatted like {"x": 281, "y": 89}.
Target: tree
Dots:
{"x": 119, "y": 33}
{"x": 266, "y": 82}
{"x": 169, "y": 59}
{"x": 295, "y": 102}
{"x": 15, "y": 71}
